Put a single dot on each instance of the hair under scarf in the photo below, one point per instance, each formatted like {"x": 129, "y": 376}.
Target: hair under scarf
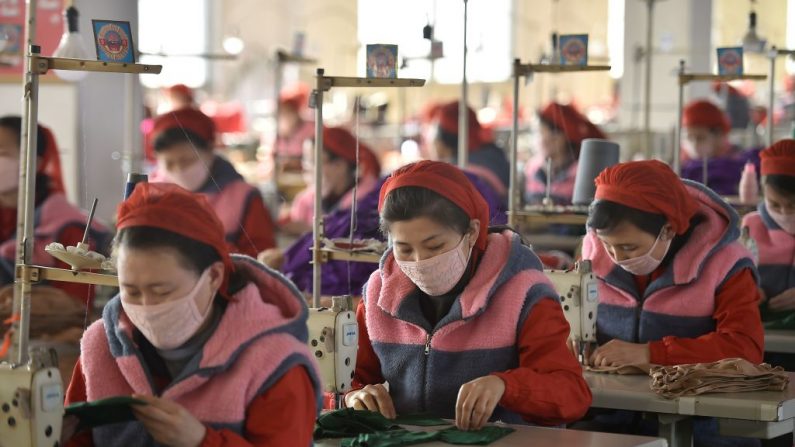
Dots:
{"x": 649, "y": 186}
{"x": 779, "y": 159}
{"x": 171, "y": 208}
{"x": 340, "y": 142}
{"x": 449, "y": 182}
{"x": 574, "y": 125}
{"x": 703, "y": 113}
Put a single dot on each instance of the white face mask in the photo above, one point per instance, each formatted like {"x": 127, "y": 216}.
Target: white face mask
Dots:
{"x": 644, "y": 264}
{"x": 170, "y": 324}
{"x": 785, "y": 221}
{"x": 191, "y": 178}
{"x": 438, "y": 275}
{"x": 9, "y": 174}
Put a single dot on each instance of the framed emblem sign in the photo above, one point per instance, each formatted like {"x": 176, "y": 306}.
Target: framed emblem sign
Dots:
{"x": 113, "y": 40}
{"x": 730, "y": 61}
{"x": 573, "y": 49}
{"x": 382, "y": 61}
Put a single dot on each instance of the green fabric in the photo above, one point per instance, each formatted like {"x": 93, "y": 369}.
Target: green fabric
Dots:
{"x": 452, "y": 435}
{"x": 394, "y": 438}
{"x": 103, "y": 412}
{"x": 775, "y": 319}
{"x": 484, "y": 436}
{"x": 349, "y": 422}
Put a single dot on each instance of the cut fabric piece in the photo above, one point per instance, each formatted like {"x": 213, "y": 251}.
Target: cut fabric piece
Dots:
{"x": 636, "y": 368}
{"x": 725, "y": 376}
{"x": 349, "y": 422}
{"x": 452, "y": 435}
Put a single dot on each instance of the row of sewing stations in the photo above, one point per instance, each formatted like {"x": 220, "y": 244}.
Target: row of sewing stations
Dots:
{"x": 332, "y": 330}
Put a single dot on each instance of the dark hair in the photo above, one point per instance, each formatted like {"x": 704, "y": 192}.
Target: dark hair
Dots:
{"x": 606, "y": 215}
{"x": 192, "y": 254}
{"x": 783, "y": 184}
{"x": 331, "y": 156}
{"x": 174, "y": 136}
{"x": 411, "y": 202}
{"x": 14, "y": 124}
{"x": 573, "y": 147}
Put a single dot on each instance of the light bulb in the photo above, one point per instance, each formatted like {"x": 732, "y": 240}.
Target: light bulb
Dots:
{"x": 71, "y": 46}
{"x": 233, "y": 45}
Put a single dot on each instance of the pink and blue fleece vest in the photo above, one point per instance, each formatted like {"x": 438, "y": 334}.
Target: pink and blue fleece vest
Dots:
{"x": 425, "y": 366}
{"x": 262, "y": 334}
{"x": 562, "y": 188}
{"x": 51, "y": 218}
{"x": 776, "y": 252}
{"x": 681, "y": 302}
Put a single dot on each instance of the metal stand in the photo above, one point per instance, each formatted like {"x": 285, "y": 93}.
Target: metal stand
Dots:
{"x": 527, "y": 70}
{"x": 282, "y": 58}
{"x": 463, "y": 104}
{"x": 772, "y": 55}
{"x": 323, "y": 84}
{"x": 684, "y": 79}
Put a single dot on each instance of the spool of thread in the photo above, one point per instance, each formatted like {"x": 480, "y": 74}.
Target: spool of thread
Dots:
{"x": 595, "y": 156}
{"x": 132, "y": 180}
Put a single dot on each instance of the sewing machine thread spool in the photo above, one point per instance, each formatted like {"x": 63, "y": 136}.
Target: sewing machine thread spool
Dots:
{"x": 132, "y": 180}
{"x": 595, "y": 156}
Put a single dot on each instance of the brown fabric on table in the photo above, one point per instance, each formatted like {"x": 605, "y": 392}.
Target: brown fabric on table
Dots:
{"x": 635, "y": 368}
{"x": 725, "y": 376}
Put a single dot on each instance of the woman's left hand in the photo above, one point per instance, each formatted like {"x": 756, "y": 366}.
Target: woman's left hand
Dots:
{"x": 620, "y": 353}
{"x": 476, "y": 402}
{"x": 168, "y": 422}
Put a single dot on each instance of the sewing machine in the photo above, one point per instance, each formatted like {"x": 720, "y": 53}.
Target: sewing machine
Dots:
{"x": 579, "y": 296}
{"x": 333, "y": 340}
{"x": 31, "y": 402}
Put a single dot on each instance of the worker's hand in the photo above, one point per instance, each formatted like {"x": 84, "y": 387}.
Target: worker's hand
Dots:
{"x": 272, "y": 257}
{"x": 620, "y": 353}
{"x": 168, "y": 422}
{"x": 762, "y": 295}
{"x": 476, "y": 402}
{"x": 68, "y": 428}
{"x": 783, "y": 301}
{"x": 373, "y": 398}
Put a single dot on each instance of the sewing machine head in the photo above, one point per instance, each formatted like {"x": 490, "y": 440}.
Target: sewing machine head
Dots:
{"x": 31, "y": 402}
{"x": 333, "y": 340}
{"x": 579, "y": 297}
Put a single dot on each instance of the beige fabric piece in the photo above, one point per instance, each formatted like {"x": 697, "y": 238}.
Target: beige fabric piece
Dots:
{"x": 725, "y": 376}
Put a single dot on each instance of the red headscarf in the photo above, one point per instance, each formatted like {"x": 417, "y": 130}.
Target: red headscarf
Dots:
{"x": 779, "y": 159}
{"x": 181, "y": 90}
{"x": 575, "y": 126}
{"x": 188, "y": 118}
{"x": 50, "y": 162}
{"x": 447, "y": 181}
{"x": 703, "y": 113}
{"x": 340, "y": 142}
{"x": 295, "y": 97}
{"x": 649, "y": 186}
{"x": 448, "y": 122}
{"x": 169, "y": 207}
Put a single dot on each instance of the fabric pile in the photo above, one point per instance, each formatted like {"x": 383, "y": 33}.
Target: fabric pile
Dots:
{"x": 370, "y": 429}
{"x": 622, "y": 370}
{"x": 724, "y": 376}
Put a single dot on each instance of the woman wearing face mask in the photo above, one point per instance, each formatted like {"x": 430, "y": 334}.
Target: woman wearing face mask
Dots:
{"x": 562, "y": 129}
{"x": 55, "y": 219}
{"x": 772, "y": 226}
{"x": 183, "y": 144}
{"x": 706, "y": 129}
{"x": 675, "y": 285}
{"x": 214, "y": 344}
{"x": 458, "y": 321}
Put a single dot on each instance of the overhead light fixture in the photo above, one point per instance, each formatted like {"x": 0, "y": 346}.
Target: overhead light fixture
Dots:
{"x": 71, "y": 46}
{"x": 752, "y": 43}
{"x": 233, "y": 45}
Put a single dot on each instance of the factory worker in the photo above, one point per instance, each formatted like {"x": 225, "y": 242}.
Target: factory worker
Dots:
{"x": 561, "y": 130}
{"x": 486, "y": 159}
{"x": 294, "y": 128}
{"x": 772, "y": 227}
{"x": 706, "y": 129}
{"x": 460, "y": 321}
{"x": 339, "y": 175}
{"x": 214, "y": 343}
{"x": 675, "y": 285}
{"x": 54, "y": 218}
{"x": 183, "y": 144}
